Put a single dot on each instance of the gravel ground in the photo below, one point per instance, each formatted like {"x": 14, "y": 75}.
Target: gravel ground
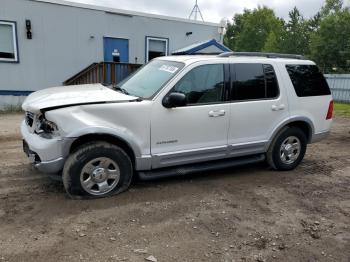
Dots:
{"x": 242, "y": 214}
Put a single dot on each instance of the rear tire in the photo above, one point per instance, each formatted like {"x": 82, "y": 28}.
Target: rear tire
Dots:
{"x": 287, "y": 150}
{"x": 96, "y": 170}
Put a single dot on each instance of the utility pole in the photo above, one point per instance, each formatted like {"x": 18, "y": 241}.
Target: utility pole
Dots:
{"x": 196, "y": 11}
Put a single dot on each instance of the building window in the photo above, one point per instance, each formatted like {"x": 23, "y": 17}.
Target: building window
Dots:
{"x": 156, "y": 47}
{"x": 8, "y": 42}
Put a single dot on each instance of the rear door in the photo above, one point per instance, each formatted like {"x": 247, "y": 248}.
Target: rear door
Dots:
{"x": 258, "y": 104}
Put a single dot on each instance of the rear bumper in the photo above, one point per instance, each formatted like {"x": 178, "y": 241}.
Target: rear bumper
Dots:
{"x": 47, "y": 155}
{"x": 319, "y": 136}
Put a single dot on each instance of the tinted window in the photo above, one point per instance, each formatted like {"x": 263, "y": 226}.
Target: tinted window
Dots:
{"x": 308, "y": 80}
{"x": 203, "y": 84}
{"x": 254, "y": 81}
{"x": 271, "y": 82}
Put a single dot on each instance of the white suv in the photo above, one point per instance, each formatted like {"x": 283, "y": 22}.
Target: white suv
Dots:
{"x": 178, "y": 115}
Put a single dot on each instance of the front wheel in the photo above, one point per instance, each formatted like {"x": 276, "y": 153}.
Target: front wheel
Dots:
{"x": 97, "y": 169}
{"x": 287, "y": 149}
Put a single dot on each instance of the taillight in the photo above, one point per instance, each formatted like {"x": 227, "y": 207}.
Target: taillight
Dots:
{"x": 330, "y": 110}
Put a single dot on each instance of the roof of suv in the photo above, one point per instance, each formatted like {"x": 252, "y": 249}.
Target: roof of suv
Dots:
{"x": 189, "y": 59}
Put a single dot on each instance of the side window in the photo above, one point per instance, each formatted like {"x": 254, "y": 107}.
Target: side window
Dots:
{"x": 271, "y": 82}
{"x": 308, "y": 80}
{"x": 254, "y": 81}
{"x": 203, "y": 84}
{"x": 249, "y": 82}
{"x": 8, "y": 44}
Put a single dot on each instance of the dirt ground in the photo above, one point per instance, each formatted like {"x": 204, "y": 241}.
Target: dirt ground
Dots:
{"x": 242, "y": 214}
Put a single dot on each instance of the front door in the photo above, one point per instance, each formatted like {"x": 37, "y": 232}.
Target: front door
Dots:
{"x": 196, "y": 132}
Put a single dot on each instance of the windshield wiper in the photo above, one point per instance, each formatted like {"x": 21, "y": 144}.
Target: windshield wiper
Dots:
{"x": 123, "y": 90}
{"x": 118, "y": 88}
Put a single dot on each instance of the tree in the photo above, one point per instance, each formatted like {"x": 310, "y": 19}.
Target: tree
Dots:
{"x": 331, "y": 7}
{"x": 272, "y": 43}
{"x": 250, "y": 30}
{"x": 235, "y": 28}
{"x": 325, "y": 37}
{"x": 314, "y": 22}
{"x": 330, "y": 45}
{"x": 296, "y": 34}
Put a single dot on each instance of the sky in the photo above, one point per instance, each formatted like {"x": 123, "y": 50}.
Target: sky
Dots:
{"x": 212, "y": 10}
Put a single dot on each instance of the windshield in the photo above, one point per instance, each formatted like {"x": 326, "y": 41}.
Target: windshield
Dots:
{"x": 149, "y": 79}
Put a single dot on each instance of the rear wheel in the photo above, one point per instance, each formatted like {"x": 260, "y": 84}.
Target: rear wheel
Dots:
{"x": 97, "y": 169}
{"x": 287, "y": 149}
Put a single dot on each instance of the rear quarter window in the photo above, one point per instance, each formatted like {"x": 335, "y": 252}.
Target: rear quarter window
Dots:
{"x": 308, "y": 80}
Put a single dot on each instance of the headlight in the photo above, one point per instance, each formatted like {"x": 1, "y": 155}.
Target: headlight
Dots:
{"x": 45, "y": 127}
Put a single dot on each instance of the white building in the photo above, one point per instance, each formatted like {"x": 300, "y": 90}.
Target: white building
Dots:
{"x": 45, "y": 42}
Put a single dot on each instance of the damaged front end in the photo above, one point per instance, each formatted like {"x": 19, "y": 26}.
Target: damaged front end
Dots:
{"x": 42, "y": 143}
{"x": 38, "y": 124}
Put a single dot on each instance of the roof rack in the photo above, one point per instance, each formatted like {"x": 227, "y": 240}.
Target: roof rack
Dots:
{"x": 261, "y": 54}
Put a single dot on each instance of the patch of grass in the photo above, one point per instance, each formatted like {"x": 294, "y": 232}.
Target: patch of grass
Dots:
{"x": 11, "y": 109}
{"x": 342, "y": 109}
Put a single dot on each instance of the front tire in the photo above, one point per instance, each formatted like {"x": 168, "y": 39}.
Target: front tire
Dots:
{"x": 96, "y": 170}
{"x": 288, "y": 149}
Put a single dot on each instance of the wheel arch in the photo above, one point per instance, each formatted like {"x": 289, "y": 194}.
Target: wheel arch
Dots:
{"x": 305, "y": 124}
{"x": 113, "y": 139}
{"x": 305, "y": 127}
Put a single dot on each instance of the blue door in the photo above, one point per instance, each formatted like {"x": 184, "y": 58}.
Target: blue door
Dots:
{"x": 116, "y": 50}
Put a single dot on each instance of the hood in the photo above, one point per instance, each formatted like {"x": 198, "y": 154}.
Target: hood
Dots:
{"x": 72, "y": 95}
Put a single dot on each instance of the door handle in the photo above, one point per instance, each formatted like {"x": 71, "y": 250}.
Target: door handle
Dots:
{"x": 282, "y": 107}
{"x": 278, "y": 107}
{"x": 217, "y": 113}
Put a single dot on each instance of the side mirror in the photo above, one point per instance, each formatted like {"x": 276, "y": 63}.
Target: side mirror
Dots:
{"x": 174, "y": 100}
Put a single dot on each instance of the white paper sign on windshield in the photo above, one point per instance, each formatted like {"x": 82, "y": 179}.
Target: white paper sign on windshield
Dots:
{"x": 169, "y": 69}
